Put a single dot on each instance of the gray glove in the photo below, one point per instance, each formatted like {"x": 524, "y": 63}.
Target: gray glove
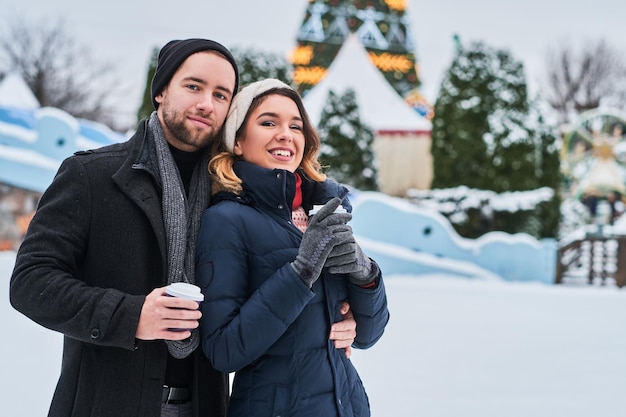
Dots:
{"x": 348, "y": 258}
{"x": 325, "y": 230}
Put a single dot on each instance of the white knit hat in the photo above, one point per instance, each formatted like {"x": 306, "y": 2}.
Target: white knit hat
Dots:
{"x": 240, "y": 105}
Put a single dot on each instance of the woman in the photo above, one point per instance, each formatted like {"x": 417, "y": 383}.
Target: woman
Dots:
{"x": 269, "y": 301}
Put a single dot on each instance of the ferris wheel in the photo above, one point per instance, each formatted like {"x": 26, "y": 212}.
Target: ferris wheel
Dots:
{"x": 594, "y": 153}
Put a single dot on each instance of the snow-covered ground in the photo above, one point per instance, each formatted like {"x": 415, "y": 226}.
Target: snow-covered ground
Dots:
{"x": 454, "y": 347}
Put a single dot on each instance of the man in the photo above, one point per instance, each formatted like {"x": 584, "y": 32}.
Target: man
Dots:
{"x": 116, "y": 226}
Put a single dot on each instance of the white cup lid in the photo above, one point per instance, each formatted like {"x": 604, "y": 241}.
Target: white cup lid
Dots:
{"x": 317, "y": 208}
{"x": 185, "y": 290}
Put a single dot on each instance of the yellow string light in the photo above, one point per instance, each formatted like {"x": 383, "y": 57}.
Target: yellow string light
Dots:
{"x": 302, "y": 55}
{"x": 396, "y": 4}
{"x": 308, "y": 75}
{"x": 389, "y": 62}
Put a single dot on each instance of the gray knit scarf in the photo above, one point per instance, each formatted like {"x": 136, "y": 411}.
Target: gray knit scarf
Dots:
{"x": 181, "y": 218}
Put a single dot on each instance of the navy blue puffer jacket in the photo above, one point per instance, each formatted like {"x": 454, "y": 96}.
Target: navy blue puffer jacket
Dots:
{"x": 260, "y": 319}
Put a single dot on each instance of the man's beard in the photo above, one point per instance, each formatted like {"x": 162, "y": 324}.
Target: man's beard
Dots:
{"x": 175, "y": 123}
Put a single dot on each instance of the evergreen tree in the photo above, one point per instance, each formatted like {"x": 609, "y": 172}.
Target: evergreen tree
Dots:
{"x": 346, "y": 142}
{"x": 146, "y": 104}
{"x": 255, "y": 65}
{"x": 479, "y": 111}
{"x": 548, "y": 169}
{"x": 487, "y": 136}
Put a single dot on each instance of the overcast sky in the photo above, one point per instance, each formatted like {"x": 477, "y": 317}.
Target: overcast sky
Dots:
{"x": 124, "y": 32}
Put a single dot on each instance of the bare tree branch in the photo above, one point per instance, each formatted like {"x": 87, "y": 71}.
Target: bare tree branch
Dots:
{"x": 60, "y": 72}
{"x": 584, "y": 79}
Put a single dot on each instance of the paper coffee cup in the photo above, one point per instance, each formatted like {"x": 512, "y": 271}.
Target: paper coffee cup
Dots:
{"x": 317, "y": 207}
{"x": 184, "y": 290}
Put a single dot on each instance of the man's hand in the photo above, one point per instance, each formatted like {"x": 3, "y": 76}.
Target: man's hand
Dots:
{"x": 344, "y": 332}
{"x": 161, "y": 313}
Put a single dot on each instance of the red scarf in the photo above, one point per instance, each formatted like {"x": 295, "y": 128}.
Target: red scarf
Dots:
{"x": 297, "y": 200}
{"x": 298, "y": 215}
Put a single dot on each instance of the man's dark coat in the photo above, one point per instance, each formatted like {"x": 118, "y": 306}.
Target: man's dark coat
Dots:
{"x": 95, "y": 247}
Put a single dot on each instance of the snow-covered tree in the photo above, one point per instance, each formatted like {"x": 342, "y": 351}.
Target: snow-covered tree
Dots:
{"x": 488, "y": 135}
{"x": 346, "y": 142}
{"x": 255, "y": 65}
{"x": 547, "y": 167}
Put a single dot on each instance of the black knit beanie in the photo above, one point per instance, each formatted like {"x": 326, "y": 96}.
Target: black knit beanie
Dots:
{"x": 174, "y": 53}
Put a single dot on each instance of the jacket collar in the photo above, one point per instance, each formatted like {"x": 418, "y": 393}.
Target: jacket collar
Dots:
{"x": 146, "y": 157}
{"x": 271, "y": 189}
{"x": 274, "y": 189}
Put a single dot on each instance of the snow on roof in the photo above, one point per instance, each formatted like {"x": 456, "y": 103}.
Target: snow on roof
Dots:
{"x": 15, "y": 93}
{"x": 379, "y": 105}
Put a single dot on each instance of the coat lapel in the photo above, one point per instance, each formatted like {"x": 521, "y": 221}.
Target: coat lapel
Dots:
{"x": 140, "y": 188}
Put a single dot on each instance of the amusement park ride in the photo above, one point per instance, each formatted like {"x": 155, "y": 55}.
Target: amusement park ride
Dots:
{"x": 594, "y": 168}
{"x": 594, "y": 164}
